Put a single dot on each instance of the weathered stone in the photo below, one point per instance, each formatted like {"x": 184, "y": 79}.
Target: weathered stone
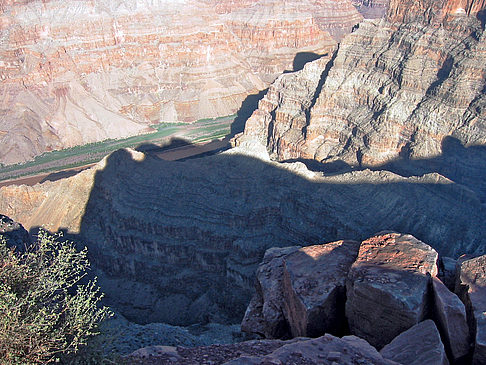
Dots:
{"x": 447, "y": 272}
{"x": 325, "y": 350}
{"x": 393, "y": 92}
{"x": 388, "y": 285}
{"x": 418, "y": 345}
{"x": 301, "y": 291}
{"x": 471, "y": 287}
{"x": 450, "y": 315}
{"x": 146, "y": 234}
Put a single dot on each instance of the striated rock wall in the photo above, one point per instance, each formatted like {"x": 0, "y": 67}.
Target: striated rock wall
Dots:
{"x": 391, "y": 92}
{"x": 80, "y": 71}
{"x": 207, "y": 222}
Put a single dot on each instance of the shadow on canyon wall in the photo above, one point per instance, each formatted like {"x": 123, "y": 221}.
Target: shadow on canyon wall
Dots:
{"x": 463, "y": 165}
{"x": 179, "y": 242}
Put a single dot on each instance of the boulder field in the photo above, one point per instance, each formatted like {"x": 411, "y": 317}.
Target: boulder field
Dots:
{"x": 393, "y": 298}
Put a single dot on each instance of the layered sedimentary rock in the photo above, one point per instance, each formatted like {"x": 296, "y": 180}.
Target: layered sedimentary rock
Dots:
{"x": 419, "y": 345}
{"x": 78, "y": 71}
{"x": 471, "y": 286}
{"x": 388, "y": 286}
{"x": 149, "y": 223}
{"x": 393, "y": 92}
{"x": 301, "y": 291}
{"x": 371, "y": 9}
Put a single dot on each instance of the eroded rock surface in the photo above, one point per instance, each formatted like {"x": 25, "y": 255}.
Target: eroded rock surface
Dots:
{"x": 301, "y": 291}
{"x": 75, "y": 72}
{"x": 393, "y": 92}
{"x": 14, "y": 234}
{"x": 450, "y": 315}
{"x": 149, "y": 223}
{"x": 325, "y": 350}
{"x": 419, "y": 345}
{"x": 387, "y": 289}
{"x": 471, "y": 286}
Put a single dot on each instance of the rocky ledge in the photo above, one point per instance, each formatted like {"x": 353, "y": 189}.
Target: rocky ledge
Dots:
{"x": 395, "y": 302}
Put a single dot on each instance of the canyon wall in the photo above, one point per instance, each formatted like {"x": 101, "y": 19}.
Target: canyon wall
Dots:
{"x": 81, "y": 71}
{"x": 391, "y": 94}
{"x": 206, "y": 223}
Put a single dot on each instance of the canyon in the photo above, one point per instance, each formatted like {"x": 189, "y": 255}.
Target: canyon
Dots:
{"x": 123, "y": 66}
{"x": 382, "y": 130}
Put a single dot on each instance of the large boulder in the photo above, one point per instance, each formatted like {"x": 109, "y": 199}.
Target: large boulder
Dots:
{"x": 418, "y": 345}
{"x": 388, "y": 286}
{"x": 471, "y": 287}
{"x": 450, "y": 315}
{"x": 301, "y": 291}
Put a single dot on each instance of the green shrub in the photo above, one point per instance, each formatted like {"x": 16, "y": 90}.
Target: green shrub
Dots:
{"x": 45, "y": 313}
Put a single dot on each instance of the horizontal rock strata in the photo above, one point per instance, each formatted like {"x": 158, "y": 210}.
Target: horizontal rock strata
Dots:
{"x": 208, "y": 222}
{"x": 84, "y": 71}
{"x": 394, "y": 96}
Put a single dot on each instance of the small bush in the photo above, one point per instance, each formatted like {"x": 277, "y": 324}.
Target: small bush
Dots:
{"x": 45, "y": 313}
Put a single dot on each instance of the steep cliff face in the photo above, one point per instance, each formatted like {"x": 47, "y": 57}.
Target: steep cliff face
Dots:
{"x": 150, "y": 223}
{"x": 80, "y": 71}
{"x": 390, "y": 92}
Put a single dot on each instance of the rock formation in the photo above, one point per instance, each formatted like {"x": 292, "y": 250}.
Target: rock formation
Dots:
{"x": 419, "y": 345}
{"x": 80, "y": 71}
{"x": 393, "y": 92}
{"x": 148, "y": 223}
{"x": 301, "y": 291}
{"x": 393, "y": 299}
{"x": 452, "y": 321}
{"x": 388, "y": 286}
{"x": 14, "y": 234}
{"x": 471, "y": 286}
{"x": 325, "y": 350}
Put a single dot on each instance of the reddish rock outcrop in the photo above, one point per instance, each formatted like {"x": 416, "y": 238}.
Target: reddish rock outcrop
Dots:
{"x": 325, "y": 350}
{"x": 419, "y": 345}
{"x": 471, "y": 287}
{"x": 74, "y": 72}
{"x": 387, "y": 289}
{"x": 300, "y": 291}
{"x": 450, "y": 315}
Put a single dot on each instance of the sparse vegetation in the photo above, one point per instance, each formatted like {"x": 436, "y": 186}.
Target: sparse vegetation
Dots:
{"x": 200, "y": 131}
{"x": 46, "y": 314}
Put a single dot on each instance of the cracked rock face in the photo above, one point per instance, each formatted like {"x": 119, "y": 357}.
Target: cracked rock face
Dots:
{"x": 471, "y": 287}
{"x": 301, "y": 291}
{"x": 419, "y": 345}
{"x": 388, "y": 286}
{"x": 149, "y": 223}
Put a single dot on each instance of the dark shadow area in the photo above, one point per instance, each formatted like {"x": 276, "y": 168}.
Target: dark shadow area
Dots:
{"x": 302, "y": 58}
{"x": 462, "y": 165}
{"x": 249, "y": 105}
{"x": 179, "y": 242}
{"x": 482, "y": 18}
{"x": 63, "y": 174}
